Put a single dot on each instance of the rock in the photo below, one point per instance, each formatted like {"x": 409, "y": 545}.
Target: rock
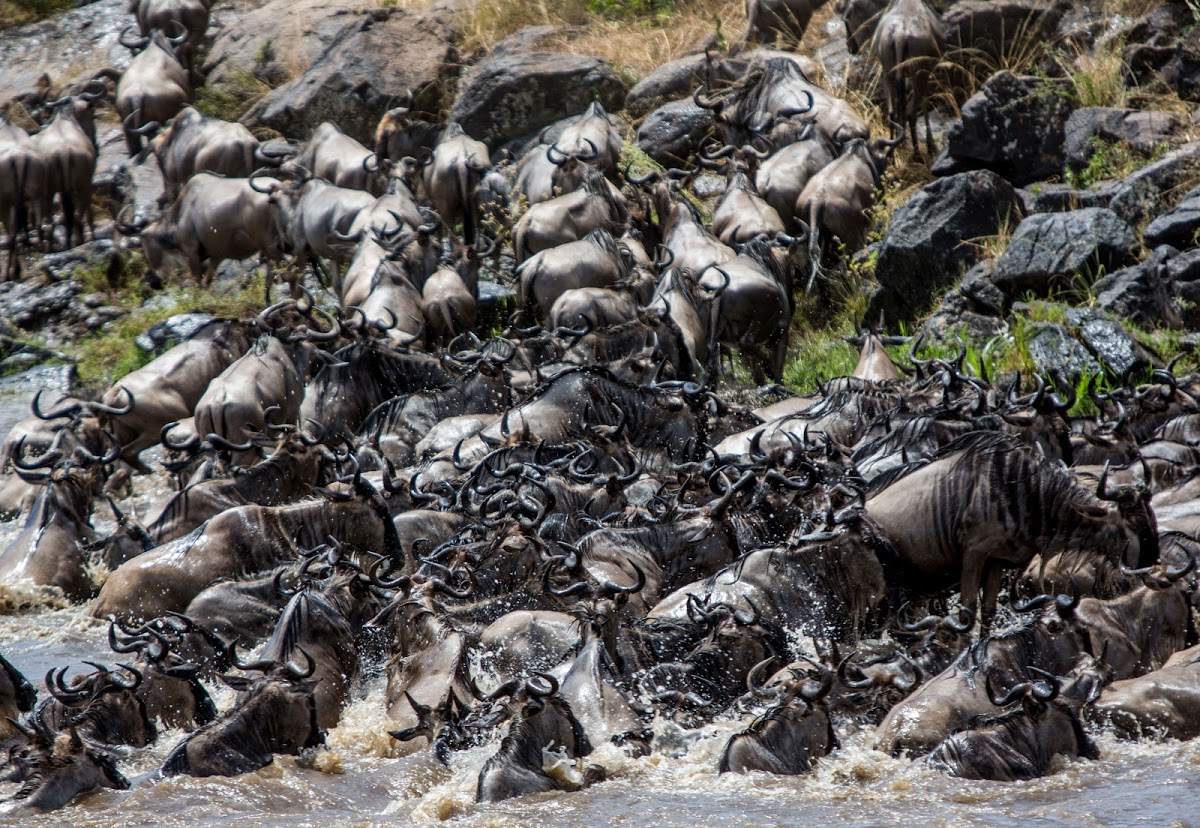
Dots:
{"x": 279, "y": 40}
{"x": 65, "y": 47}
{"x": 1048, "y": 247}
{"x": 923, "y": 250}
{"x": 366, "y": 68}
{"x": 528, "y": 39}
{"x": 955, "y": 319}
{"x": 172, "y": 330}
{"x": 29, "y": 304}
{"x": 1153, "y": 189}
{"x": 668, "y": 82}
{"x": 1184, "y": 273}
{"x": 95, "y": 253}
{"x": 1062, "y": 198}
{"x": 1059, "y": 356}
{"x": 1182, "y": 71}
{"x": 1152, "y": 40}
{"x": 111, "y": 158}
{"x": 1177, "y": 227}
{"x": 1113, "y": 347}
{"x": 1141, "y": 294}
{"x": 1144, "y": 131}
{"x": 496, "y": 304}
{"x": 1012, "y": 125}
{"x": 141, "y": 185}
{"x": 674, "y": 133}
{"x": 514, "y": 95}
{"x": 55, "y": 379}
{"x": 990, "y": 29}
{"x": 981, "y": 292}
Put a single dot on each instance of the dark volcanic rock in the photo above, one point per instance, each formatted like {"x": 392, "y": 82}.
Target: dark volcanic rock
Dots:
{"x": 1050, "y": 246}
{"x": 1142, "y": 293}
{"x": 172, "y": 330}
{"x": 514, "y": 95}
{"x": 1184, "y": 273}
{"x": 668, "y": 82}
{"x": 1182, "y": 72}
{"x": 981, "y": 292}
{"x": 1012, "y": 125}
{"x": 925, "y": 249}
{"x": 1154, "y": 189}
{"x": 1062, "y": 198}
{"x": 1144, "y": 131}
{"x": 675, "y": 132}
{"x": 1058, "y": 355}
{"x": 1112, "y": 346}
{"x": 1177, "y": 227}
{"x": 366, "y": 68}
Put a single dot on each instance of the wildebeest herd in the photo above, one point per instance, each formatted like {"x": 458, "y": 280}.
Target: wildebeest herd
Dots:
{"x": 550, "y": 537}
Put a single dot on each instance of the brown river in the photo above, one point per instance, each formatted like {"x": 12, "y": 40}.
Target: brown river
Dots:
{"x": 362, "y": 777}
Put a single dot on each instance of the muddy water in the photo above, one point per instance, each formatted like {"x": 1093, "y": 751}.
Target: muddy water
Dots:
{"x": 362, "y": 778}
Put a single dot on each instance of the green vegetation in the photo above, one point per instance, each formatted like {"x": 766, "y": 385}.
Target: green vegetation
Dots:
{"x": 110, "y": 353}
{"x": 232, "y": 99}
{"x": 1112, "y": 160}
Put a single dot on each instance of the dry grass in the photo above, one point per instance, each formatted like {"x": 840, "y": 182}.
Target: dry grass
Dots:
{"x": 18, "y": 12}
{"x": 634, "y": 43}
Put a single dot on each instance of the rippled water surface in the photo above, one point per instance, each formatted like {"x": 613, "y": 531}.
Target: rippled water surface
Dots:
{"x": 362, "y": 777}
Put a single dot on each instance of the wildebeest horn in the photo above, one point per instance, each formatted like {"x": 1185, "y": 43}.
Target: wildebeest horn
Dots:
{"x": 217, "y": 441}
{"x": 46, "y": 460}
{"x": 191, "y": 444}
{"x": 506, "y": 689}
{"x": 551, "y": 685}
{"x": 298, "y": 674}
{"x": 69, "y": 410}
{"x": 551, "y": 151}
{"x": 753, "y": 684}
{"x": 648, "y": 178}
{"x": 967, "y": 616}
{"x": 116, "y": 411}
{"x": 703, "y": 101}
{"x": 128, "y": 43}
{"x": 1014, "y": 693}
{"x": 262, "y": 172}
{"x": 929, "y": 622}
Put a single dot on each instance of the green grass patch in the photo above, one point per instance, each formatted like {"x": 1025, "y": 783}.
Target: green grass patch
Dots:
{"x": 112, "y": 352}
{"x": 1112, "y": 160}
{"x": 233, "y": 98}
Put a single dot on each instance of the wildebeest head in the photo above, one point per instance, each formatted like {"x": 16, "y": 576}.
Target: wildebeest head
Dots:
{"x": 103, "y": 705}
{"x": 276, "y": 713}
{"x": 57, "y": 767}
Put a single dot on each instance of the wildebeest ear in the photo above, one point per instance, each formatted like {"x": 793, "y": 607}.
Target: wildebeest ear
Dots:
{"x": 699, "y": 533}
{"x": 239, "y": 683}
{"x": 406, "y": 734}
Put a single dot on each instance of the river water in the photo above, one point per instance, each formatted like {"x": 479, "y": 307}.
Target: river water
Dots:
{"x": 363, "y": 777}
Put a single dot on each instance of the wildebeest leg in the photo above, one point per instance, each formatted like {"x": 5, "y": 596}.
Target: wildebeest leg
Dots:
{"x": 779, "y": 357}
{"x": 993, "y": 576}
{"x": 928, "y": 135}
{"x": 972, "y": 579}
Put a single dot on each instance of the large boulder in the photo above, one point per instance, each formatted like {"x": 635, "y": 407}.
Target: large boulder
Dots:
{"x": 364, "y": 70}
{"x": 925, "y": 249}
{"x": 1154, "y": 189}
{"x": 1048, "y": 248}
{"x": 674, "y": 79}
{"x": 66, "y": 47}
{"x": 1012, "y": 125}
{"x": 1142, "y": 294}
{"x": 1119, "y": 352}
{"x": 1178, "y": 226}
{"x": 513, "y": 95}
{"x": 279, "y": 40}
{"x": 1058, "y": 355}
{"x": 987, "y": 30}
{"x": 1144, "y": 131}
{"x": 674, "y": 133}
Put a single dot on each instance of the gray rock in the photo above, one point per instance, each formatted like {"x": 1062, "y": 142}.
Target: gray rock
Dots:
{"x": 1012, "y": 125}
{"x": 173, "y": 330}
{"x": 142, "y": 187}
{"x": 364, "y": 71}
{"x": 1144, "y": 131}
{"x": 671, "y": 81}
{"x": 1049, "y": 247}
{"x": 1112, "y": 346}
{"x": 278, "y": 40}
{"x": 1058, "y": 355}
{"x": 510, "y": 96}
{"x": 28, "y": 305}
{"x": 67, "y": 46}
{"x": 1062, "y": 198}
{"x": 981, "y": 292}
{"x": 528, "y": 39}
{"x": 674, "y": 133}
{"x": 1154, "y": 189}
{"x": 95, "y": 253}
{"x": 53, "y": 378}
{"x": 1177, "y": 227}
{"x": 1184, "y": 273}
{"x": 1182, "y": 72}
{"x": 954, "y": 319}
{"x": 923, "y": 250}
{"x": 496, "y": 303}
{"x": 1143, "y": 293}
